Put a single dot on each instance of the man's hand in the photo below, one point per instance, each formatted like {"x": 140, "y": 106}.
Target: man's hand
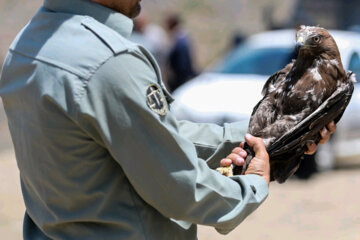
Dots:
{"x": 258, "y": 165}
{"x": 325, "y": 136}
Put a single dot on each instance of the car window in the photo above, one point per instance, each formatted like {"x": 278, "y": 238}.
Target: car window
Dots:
{"x": 354, "y": 64}
{"x": 263, "y": 61}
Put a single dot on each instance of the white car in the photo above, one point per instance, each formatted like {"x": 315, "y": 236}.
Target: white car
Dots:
{"x": 230, "y": 91}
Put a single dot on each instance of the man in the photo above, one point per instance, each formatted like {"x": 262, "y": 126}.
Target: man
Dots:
{"x": 99, "y": 152}
{"x": 180, "y": 59}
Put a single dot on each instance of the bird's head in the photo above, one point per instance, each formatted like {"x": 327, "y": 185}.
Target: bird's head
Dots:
{"x": 315, "y": 41}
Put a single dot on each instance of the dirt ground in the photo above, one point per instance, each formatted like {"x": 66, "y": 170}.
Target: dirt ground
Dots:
{"x": 325, "y": 207}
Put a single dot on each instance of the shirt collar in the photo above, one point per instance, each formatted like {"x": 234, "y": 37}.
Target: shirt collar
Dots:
{"x": 117, "y": 21}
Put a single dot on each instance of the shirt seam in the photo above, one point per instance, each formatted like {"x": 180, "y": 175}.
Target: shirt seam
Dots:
{"x": 77, "y": 97}
{"x": 56, "y": 65}
{"x": 205, "y": 145}
{"x": 212, "y": 146}
{"x": 86, "y": 81}
{"x": 80, "y": 96}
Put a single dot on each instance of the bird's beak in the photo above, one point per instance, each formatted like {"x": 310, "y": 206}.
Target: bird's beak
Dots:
{"x": 299, "y": 44}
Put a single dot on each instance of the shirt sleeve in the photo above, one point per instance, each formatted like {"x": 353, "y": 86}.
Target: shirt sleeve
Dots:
{"x": 213, "y": 142}
{"x": 161, "y": 164}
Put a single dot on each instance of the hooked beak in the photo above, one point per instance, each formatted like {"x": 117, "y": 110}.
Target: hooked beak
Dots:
{"x": 299, "y": 44}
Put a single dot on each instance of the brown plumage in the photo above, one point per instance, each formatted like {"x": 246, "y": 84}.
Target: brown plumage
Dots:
{"x": 295, "y": 92}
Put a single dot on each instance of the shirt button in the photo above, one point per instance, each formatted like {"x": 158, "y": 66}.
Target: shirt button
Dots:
{"x": 253, "y": 188}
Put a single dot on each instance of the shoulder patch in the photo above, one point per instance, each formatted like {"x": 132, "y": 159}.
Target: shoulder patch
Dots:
{"x": 155, "y": 99}
{"x": 112, "y": 39}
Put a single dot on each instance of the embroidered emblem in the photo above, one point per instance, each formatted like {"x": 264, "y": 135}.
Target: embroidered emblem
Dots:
{"x": 156, "y": 100}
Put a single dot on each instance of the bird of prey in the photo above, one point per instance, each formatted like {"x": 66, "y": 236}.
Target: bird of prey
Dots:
{"x": 314, "y": 87}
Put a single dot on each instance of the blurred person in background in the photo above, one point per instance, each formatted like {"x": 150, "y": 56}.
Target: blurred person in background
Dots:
{"x": 236, "y": 39}
{"x": 138, "y": 35}
{"x": 180, "y": 57}
{"x": 153, "y": 37}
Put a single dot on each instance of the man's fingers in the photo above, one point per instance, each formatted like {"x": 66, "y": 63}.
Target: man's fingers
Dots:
{"x": 311, "y": 146}
{"x": 327, "y": 131}
{"x": 331, "y": 127}
{"x": 225, "y": 162}
{"x": 236, "y": 159}
{"x": 260, "y": 163}
{"x": 241, "y": 152}
{"x": 232, "y": 158}
{"x": 257, "y": 144}
{"x": 325, "y": 135}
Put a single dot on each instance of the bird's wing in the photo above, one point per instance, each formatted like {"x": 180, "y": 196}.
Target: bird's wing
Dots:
{"x": 276, "y": 78}
{"x": 273, "y": 80}
{"x": 309, "y": 128}
{"x": 265, "y": 91}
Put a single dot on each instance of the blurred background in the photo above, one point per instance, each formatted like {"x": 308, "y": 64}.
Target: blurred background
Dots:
{"x": 207, "y": 50}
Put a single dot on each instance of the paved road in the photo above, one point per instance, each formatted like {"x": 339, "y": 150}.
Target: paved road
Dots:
{"x": 326, "y": 207}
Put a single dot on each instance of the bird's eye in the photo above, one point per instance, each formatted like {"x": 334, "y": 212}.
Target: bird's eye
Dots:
{"x": 316, "y": 39}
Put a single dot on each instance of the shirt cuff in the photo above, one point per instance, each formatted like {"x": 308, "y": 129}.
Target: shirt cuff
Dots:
{"x": 235, "y": 132}
{"x": 257, "y": 185}
{"x": 255, "y": 191}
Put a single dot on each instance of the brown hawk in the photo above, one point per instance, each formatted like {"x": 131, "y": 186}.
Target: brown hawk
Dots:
{"x": 299, "y": 100}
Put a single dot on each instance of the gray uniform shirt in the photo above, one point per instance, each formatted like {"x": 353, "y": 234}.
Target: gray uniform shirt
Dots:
{"x": 100, "y": 154}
